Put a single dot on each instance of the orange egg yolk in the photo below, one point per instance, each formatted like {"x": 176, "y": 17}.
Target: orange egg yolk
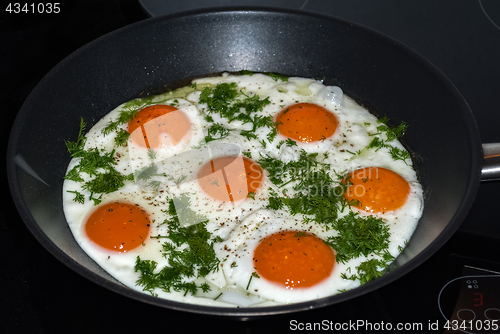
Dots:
{"x": 230, "y": 178}
{"x": 294, "y": 259}
{"x": 377, "y": 190}
{"x": 151, "y": 123}
{"x": 306, "y": 122}
{"x": 118, "y": 226}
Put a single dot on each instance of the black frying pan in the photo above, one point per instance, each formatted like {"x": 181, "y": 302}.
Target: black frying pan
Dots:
{"x": 150, "y": 56}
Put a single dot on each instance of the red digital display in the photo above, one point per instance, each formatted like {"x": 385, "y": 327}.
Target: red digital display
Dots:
{"x": 478, "y": 299}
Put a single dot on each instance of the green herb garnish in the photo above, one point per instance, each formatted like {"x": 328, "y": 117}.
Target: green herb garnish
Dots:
{"x": 146, "y": 173}
{"x": 151, "y": 154}
{"x": 97, "y": 163}
{"x": 79, "y": 198}
{"x": 316, "y": 193}
{"x": 232, "y": 104}
{"x": 370, "y": 269}
{"x": 399, "y": 154}
{"x": 359, "y": 236}
{"x": 75, "y": 148}
{"x": 121, "y": 137}
{"x": 107, "y": 182}
{"x": 290, "y": 142}
{"x": 277, "y": 77}
{"x": 189, "y": 251}
{"x": 254, "y": 274}
{"x": 216, "y": 132}
{"x": 127, "y": 113}
{"x": 391, "y": 133}
{"x": 247, "y": 154}
{"x": 248, "y": 134}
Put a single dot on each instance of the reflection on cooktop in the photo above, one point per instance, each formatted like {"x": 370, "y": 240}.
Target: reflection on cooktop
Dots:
{"x": 491, "y": 10}
{"x": 156, "y": 8}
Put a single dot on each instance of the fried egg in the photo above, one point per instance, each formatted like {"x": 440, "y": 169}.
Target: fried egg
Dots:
{"x": 247, "y": 267}
{"x": 182, "y": 151}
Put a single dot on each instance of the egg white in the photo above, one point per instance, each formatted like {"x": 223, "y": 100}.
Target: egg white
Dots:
{"x": 140, "y": 156}
{"x": 241, "y": 225}
{"x": 238, "y": 253}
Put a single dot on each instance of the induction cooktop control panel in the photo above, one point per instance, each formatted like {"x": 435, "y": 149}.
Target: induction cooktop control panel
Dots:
{"x": 471, "y": 303}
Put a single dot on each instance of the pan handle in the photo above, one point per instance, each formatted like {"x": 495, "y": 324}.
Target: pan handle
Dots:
{"x": 491, "y": 162}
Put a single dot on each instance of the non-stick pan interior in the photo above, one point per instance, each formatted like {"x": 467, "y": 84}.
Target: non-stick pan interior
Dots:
{"x": 146, "y": 57}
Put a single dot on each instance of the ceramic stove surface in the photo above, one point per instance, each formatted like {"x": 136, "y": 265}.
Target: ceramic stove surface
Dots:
{"x": 41, "y": 295}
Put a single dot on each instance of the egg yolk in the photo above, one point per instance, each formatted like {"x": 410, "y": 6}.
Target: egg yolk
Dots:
{"x": 294, "y": 259}
{"x": 377, "y": 190}
{"x": 230, "y": 178}
{"x": 118, "y": 226}
{"x": 153, "y": 121}
{"x": 306, "y": 122}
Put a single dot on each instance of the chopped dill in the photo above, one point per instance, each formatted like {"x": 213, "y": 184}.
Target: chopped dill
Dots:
{"x": 216, "y": 132}
{"x": 146, "y": 173}
{"x": 154, "y": 185}
{"x": 392, "y": 133}
{"x": 127, "y": 113}
{"x": 234, "y": 105}
{"x": 370, "y": 269}
{"x": 277, "y": 77}
{"x": 79, "y": 197}
{"x": 399, "y": 154}
{"x": 121, "y": 137}
{"x": 290, "y": 142}
{"x": 254, "y": 274}
{"x": 97, "y": 163}
{"x": 75, "y": 148}
{"x": 316, "y": 193}
{"x": 107, "y": 182}
{"x": 376, "y": 143}
{"x": 318, "y": 196}
{"x": 190, "y": 254}
{"x": 247, "y": 154}
{"x": 220, "y": 98}
{"x": 260, "y": 121}
{"x": 96, "y": 200}
{"x": 74, "y": 175}
{"x": 248, "y": 134}
{"x": 359, "y": 236}
{"x": 151, "y": 154}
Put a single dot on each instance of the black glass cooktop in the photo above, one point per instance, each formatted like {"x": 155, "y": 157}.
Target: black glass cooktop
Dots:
{"x": 40, "y": 295}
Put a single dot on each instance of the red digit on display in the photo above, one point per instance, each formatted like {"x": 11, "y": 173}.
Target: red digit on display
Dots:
{"x": 478, "y": 299}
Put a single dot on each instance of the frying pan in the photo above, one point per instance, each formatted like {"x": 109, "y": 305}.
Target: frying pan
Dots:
{"x": 160, "y": 53}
